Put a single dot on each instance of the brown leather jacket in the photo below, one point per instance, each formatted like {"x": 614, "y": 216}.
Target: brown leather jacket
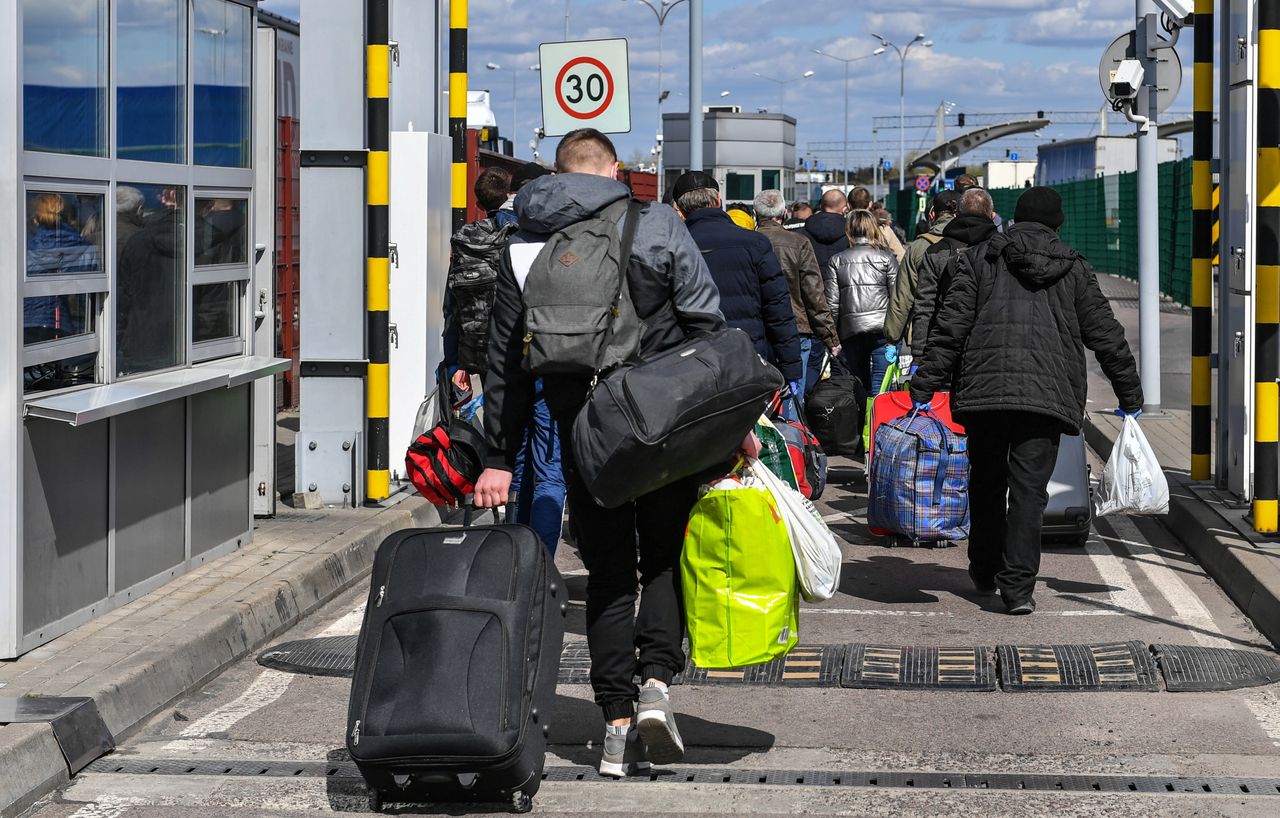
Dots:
{"x": 804, "y": 277}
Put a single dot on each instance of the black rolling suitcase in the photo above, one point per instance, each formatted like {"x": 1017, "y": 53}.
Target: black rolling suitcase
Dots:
{"x": 456, "y": 667}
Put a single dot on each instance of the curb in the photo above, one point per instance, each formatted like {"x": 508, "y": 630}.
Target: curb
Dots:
{"x": 1251, "y": 578}
{"x": 32, "y": 762}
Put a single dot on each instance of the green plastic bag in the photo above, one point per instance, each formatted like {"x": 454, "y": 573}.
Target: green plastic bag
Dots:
{"x": 774, "y": 453}
{"x": 741, "y": 596}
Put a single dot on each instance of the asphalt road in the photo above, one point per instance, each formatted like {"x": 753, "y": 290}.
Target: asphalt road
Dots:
{"x": 1131, "y": 583}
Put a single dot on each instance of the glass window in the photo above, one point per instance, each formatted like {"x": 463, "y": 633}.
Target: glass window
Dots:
{"x": 222, "y": 51}
{"x": 51, "y": 317}
{"x": 222, "y": 235}
{"x": 770, "y": 179}
{"x": 76, "y": 371}
{"x": 64, "y": 233}
{"x": 150, "y": 281}
{"x": 740, "y": 187}
{"x": 64, "y": 75}
{"x": 151, "y": 79}
{"x": 216, "y": 311}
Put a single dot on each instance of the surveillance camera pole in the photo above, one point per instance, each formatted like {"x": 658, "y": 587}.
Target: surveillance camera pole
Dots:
{"x": 695, "y": 85}
{"x": 1148, "y": 209}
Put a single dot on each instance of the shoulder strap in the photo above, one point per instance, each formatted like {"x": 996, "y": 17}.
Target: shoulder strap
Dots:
{"x": 629, "y": 223}
{"x": 932, "y": 238}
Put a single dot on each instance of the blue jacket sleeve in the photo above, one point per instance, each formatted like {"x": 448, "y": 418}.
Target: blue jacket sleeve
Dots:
{"x": 779, "y": 318}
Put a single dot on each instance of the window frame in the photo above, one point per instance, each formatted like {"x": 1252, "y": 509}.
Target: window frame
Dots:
{"x": 71, "y": 173}
{"x": 97, "y": 286}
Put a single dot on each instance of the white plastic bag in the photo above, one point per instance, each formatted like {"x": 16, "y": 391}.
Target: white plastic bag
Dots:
{"x": 818, "y": 555}
{"x": 1132, "y": 481}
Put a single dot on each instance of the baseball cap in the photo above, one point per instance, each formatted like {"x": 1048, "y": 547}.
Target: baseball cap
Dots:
{"x": 691, "y": 181}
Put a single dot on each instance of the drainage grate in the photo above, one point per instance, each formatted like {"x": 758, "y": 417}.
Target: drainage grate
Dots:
{"x": 325, "y": 656}
{"x": 126, "y": 765}
{"x": 1191, "y": 668}
{"x": 1108, "y": 667}
{"x": 895, "y": 667}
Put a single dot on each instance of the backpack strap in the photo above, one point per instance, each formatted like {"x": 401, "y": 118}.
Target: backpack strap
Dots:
{"x": 629, "y": 224}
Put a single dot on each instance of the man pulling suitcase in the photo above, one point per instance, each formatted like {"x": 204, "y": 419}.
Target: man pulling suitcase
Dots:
{"x": 671, "y": 296}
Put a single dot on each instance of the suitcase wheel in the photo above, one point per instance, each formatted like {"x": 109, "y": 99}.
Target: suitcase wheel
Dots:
{"x": 521, "y": 802}
{"x": 375, "y": 800}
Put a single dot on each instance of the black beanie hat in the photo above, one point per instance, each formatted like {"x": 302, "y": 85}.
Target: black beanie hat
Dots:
{"x": 1042, "y": 205}
{"x": 526, "y": 173}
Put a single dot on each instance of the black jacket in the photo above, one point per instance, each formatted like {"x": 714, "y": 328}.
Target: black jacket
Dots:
{"x": 754, "y": 295}
{"x": 826, "y": 231}
{"x": 668, "y": 280}
{"x": 1021, "y": 310}
{"x": 933, "y": 276}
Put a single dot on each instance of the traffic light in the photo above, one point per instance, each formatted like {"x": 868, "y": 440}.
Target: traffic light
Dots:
{"x": 961, "y": 122}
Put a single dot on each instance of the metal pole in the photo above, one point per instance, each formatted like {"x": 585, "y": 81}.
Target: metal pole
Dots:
{"x": 1148, "y": 220}
{"x": 1202, "y": 245}
{"x": 1266, "y": 200}
{"x": 1225, "y": 461}
{"x": 566, "y": 20}
{"x": 846, "y": 124}
{"x": 660, "y": 136}
{"x": 902, "y": 120}
{"x": 377, "y": 262}
{"x": 695, "y": 85}
{"x": 515, "y": 115}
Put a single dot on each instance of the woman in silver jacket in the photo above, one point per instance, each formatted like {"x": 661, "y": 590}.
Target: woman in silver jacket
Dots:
{"x": 859, "y": 282}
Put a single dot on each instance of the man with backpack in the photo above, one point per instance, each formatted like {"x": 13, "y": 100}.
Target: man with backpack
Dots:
{"x": 473, "y": 273}
{"x": 898, "y": 321}
{"x": 1021, "y": 310}
{"x": 664, "y": 294}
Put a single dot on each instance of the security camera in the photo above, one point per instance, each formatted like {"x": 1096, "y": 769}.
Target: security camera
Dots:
{"x": 1179, "y": 11}
{"x": 1126, "y": 80}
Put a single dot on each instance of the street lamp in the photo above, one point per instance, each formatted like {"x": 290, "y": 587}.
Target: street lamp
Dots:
{"x": 847, "y": 62}
{"x": 782, "y": 86}
{"x": 515, "y": 119}
{"x": 902, "y": 98}
{"x": 660, "y": 10}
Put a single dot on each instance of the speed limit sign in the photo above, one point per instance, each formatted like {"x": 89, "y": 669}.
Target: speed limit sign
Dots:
{"x": 584, "y": 85}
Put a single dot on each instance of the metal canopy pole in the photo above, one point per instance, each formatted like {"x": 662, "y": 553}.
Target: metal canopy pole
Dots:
{"x": 695, "y": 85}
{"x": 1202, "y": 245}
{"x": 378, "y": 266}
{"x": 1148, "y": 213}
{"x": 1266, "y": 445}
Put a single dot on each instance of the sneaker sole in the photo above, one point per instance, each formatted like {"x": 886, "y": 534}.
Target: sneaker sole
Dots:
{"x": 661, "y": 743}
{"x": 609, "y": 769}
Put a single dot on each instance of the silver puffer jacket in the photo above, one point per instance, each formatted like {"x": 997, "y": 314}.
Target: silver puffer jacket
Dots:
{"x": 859, "y": 282}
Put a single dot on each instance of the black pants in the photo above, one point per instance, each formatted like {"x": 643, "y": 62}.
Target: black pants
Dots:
{"x": 643, "y": 539}
{"x": 1011, "y": 458}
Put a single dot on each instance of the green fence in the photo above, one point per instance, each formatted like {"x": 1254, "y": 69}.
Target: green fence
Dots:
{"x": 1102, "y": 223}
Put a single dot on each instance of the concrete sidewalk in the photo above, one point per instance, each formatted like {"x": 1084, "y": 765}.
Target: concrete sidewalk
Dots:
{"x": 1207, "y": 522}
{"x": 135, "y": 660}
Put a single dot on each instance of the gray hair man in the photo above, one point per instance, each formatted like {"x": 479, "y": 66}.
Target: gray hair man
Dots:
{"x": 972, "y": 226}
{"x": 814, "y": 321}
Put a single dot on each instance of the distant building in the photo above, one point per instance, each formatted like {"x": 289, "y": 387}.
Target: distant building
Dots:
{"x": 747, "y": 153}
{"x": 1074, "y": 160}
{"x": 1006, "y": 173}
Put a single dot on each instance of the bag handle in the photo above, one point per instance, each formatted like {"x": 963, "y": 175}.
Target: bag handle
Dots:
{"x": 944, "y": 454}
{"x": 629, "y": 223}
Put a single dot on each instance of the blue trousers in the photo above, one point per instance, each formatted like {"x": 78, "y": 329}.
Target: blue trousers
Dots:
{"x": 539, "y": 480}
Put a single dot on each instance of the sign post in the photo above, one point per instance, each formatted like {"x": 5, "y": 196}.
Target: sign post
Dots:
{"x": 585, "y": 84}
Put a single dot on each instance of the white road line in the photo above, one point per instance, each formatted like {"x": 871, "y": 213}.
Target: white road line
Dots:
{"x": 1124, "y": 594}
{"x": 1187, "y": 605}
{"x": 909, "y": 614}
{"x": 1265, "y": 707}
{"x": 108, "y": 806}
{"x": 262, "y": 692}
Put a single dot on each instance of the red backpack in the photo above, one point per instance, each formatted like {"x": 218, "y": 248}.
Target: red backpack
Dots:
{"x": 445, "y": 461}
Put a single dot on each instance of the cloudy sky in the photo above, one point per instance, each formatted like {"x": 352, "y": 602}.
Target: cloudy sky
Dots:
{"x": 1015, "y": 56}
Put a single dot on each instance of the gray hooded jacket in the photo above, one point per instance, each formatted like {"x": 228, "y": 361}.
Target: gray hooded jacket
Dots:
{"x": 670, "y": 286}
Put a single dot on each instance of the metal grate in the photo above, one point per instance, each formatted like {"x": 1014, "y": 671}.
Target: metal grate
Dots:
{"x": 1236, "y": 787}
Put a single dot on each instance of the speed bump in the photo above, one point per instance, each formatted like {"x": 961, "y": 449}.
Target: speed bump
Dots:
{"x": 805, "y": 666}
{"x": 1193, "y": 668}
{"x": 1109, "y": 667}
{"x": 900, "y": 667}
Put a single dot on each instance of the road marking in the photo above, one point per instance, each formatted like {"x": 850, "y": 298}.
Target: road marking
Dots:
{"x": 262, "y": 692}
{"x": 1265, "y": 707}
{"x": 1125, "y": 595}
{"x": 107, "y": 806}
{"x": 1187, "y": 606}
{"x": 879, "y": 612}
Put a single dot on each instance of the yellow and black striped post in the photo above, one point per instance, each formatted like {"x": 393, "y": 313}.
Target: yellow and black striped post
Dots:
{"x": 378, "y": 264}
{"x": 1202, "y": 246}
{"x": 458, "y": 108}
{"x": 1267, "y": 285}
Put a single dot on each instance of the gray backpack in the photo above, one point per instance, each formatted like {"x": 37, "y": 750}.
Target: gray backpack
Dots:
{"x": 578, "y": 315}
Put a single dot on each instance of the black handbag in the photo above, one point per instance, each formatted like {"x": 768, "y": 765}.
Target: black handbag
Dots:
{"x": 682, "y": 412}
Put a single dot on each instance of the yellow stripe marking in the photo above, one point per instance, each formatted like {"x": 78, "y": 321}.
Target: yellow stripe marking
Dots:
{"x": 379, "y": 386}
{"x": 378, "y": 178}
{"x": 1268, "y": 294}
{"x": 1269, "y": 177}
{"x": 1201, "y": 381}
{"x": 378, "y": 286}
{"x": 458, "y": 14}
{"x": 377, "y": 71}
{"x": 1201, "y": 467}
{"x": 1269, "y": 58}
{"x": 725, "y": 674}
{"x": 458, "y": 96}
{"x": 1265, "y": 514}
{"x": 377, "y": 484}
{"x": 1267, "y": 418}
{"x": 800, "y": 675}
{"x": 459, "y": 182}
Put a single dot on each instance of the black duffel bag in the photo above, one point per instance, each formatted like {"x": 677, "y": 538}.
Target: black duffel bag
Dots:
{"x": 679, "y": 413}
{"x": 835, "y": 410}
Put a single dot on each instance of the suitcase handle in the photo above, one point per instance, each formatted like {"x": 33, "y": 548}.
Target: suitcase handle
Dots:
{"x": 944, "y": 450}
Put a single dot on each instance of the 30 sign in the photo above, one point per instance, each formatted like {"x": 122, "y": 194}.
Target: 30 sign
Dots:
{"x": 585, "y": 84}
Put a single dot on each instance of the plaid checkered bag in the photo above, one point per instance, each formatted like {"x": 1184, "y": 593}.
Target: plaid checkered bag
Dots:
{"x": 920, "y": 480}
